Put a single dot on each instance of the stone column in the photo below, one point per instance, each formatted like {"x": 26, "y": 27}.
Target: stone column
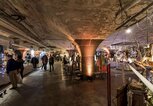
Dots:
{"x": 88, "y": 48}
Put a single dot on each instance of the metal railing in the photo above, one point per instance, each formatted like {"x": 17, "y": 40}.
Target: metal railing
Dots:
{"x": 142, "y": 78}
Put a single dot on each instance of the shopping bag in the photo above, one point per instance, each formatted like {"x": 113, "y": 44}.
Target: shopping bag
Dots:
{"x": 19, "y": 79}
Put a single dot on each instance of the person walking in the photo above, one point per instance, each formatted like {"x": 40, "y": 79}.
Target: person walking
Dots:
{"x": 34, "y": 62}
{"x": 28, "y": 57}
{"x": 51, "y": 63}
{"x": 78, "y": 62}
{"x": 11, "y": 70}
{"x": 44, "y": 62}
{"x": 20, "y": 65}
{"x": 65, "y": 60}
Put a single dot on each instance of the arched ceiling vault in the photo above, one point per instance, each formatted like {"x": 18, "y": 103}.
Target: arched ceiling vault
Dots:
{"x": 45, "y": 23}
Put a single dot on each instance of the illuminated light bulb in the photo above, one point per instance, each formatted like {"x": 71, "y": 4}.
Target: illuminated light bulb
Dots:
{"x": 128, "y": 31}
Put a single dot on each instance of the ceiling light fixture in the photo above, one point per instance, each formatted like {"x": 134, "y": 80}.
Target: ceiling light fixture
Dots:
{"x": 128, "y": 31}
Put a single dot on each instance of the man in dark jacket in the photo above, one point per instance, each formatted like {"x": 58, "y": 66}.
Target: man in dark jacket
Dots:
{"x": 51, "y": 62}
{"x": 34, "y": 62}
{"x": 11, "y": 70}
{"x": 44, "y": 62}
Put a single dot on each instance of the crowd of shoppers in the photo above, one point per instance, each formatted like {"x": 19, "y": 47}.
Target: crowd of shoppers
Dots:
{"x": 15, "y": 67}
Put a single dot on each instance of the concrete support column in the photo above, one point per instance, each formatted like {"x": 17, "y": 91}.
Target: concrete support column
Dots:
{"x": 88, "y": 48}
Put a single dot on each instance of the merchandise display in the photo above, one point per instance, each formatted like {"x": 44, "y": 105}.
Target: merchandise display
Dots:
{"x": 2, "y": 66}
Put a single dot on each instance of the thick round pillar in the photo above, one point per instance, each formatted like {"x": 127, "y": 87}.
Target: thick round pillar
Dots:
{"x": 88, "y": 48}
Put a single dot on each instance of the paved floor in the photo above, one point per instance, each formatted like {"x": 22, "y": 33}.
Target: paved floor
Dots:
{"x": 44, "y": 88}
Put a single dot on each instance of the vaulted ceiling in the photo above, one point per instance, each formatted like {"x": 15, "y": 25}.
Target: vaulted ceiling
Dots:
{"x": 58, "y": 23}
{"x": 141, "y": 32}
